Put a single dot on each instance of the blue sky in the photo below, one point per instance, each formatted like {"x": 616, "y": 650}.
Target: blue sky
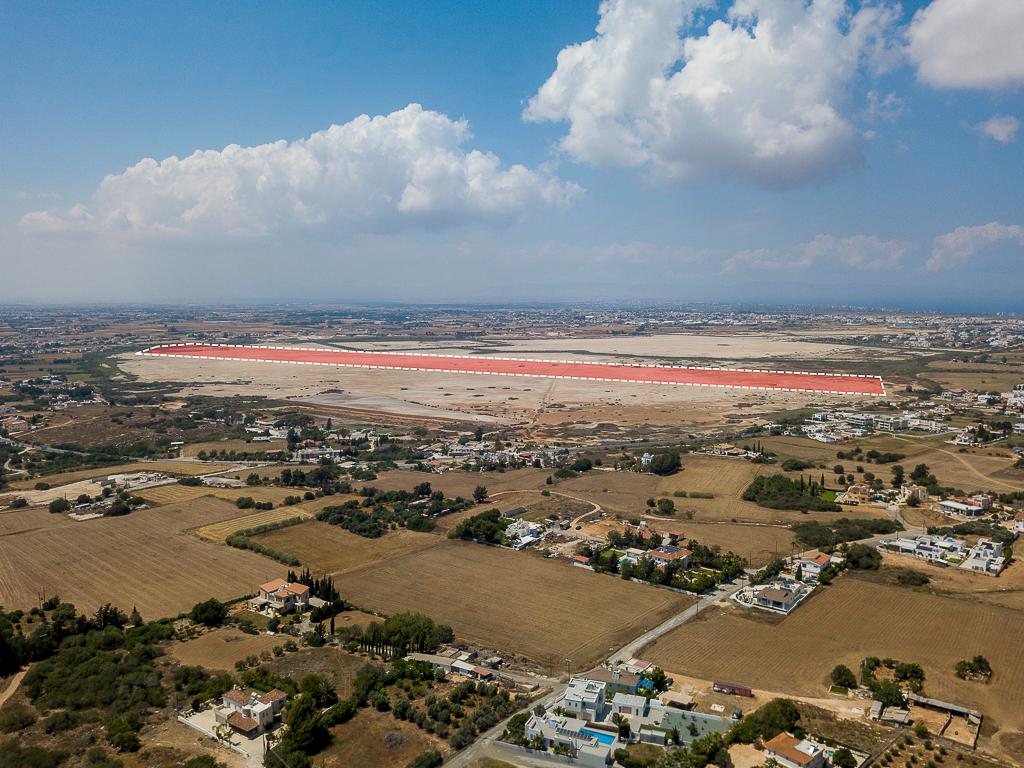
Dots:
{"x": 688, "y": 151}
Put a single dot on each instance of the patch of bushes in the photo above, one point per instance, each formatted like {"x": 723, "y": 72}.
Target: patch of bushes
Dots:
{"x": 781, "y": 492}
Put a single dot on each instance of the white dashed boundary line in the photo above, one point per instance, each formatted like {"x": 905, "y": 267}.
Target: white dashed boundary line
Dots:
{"x": 152, "y": 352}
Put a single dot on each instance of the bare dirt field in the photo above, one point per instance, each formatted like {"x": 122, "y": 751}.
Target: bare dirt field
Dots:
{"x": 737, "y": 346}
{"x": 542, "y": 609}
{"x": 145, "y": 559}
{"x": 325, "y": 548}
{"x": 219, "y": 649}
{"x": 844, "y": 623}
{"x": 576, "y": 405}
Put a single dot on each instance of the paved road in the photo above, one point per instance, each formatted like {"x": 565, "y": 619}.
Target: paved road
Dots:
{"x": 484, "y": 745}
{"x": 632, "y": 648}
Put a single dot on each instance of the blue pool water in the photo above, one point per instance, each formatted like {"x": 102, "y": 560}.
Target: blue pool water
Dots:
{"x": 605, "y": 738}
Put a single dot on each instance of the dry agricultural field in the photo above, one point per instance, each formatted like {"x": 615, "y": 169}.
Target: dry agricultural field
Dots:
{"x": 844, "y": 623}
{"x": 145, "y": 559}
{"x": 218, "y": 532}
{"x": 546, "y": 610}
{"x": 325, "y": 548}
{"x": 187, "y": 468}
{"x": 177, "y": 494}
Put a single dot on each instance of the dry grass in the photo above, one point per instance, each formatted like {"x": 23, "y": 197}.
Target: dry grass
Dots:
{"x": 757, "y": 543}
{"x": 846, "y": 622}
{"x": 221, "y": 648}
{"x": 545, "y": 610}
{"x": 145, "y": 559}
{"x": 185, "y": 468}
{"x": 461, "y": 483}
{"x": 338, "y": 667}
{"x": 1005, "y": 590}
{"x": 975, "y": 469}
{"x": 239, "y": 446}
{"x": 361, "y": 742}
{"x": 707, "y": 474}
{"x": 177, "y": 494}
{"x": 325, "y": 548}
{"x": 218, "y": 532}
{"x": 619, "y": 492}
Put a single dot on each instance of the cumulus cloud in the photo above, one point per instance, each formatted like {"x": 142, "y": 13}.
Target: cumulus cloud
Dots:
{"x": 389, "y": 171}
{"x": 1002, "y": 128}
{"x": 763, "y": 94}
{"x": 859, "y": 252}
{"x": 969, "y": 43}
{"x": 962, "y": 243}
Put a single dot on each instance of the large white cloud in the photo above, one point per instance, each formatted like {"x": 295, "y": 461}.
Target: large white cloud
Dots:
{"x": 953, "y": 248}
{"x": 383, "y": 172}
{"x": 764, "y": 94}
{"x": 858, "y": 252}
{"x": 969, "y": 43}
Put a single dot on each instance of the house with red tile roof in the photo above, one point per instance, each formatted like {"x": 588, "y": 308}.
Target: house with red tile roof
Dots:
{"x": 813, "y": 563}
{"x": 791, "y": 752}
{"x": 250, "y": 712}
{"x": 279, "y": 597}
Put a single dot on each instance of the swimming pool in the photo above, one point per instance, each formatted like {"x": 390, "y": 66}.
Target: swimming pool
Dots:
{"x": 605, "y": 738}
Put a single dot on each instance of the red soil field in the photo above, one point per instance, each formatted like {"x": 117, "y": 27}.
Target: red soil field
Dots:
{"x": 794, "y": 381}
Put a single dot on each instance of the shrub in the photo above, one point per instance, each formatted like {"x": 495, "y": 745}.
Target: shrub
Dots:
{"x": 843, "y": 676}
{"x": 59, "y": 505}
{"x": 16, "y": 719}
{"x": 211, "y": 613}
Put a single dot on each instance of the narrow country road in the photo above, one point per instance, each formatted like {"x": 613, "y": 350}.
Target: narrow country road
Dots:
{"x": 12, "y": 686}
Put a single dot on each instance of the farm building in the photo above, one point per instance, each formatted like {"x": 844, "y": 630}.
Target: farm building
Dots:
{"x": 960, "y": 509}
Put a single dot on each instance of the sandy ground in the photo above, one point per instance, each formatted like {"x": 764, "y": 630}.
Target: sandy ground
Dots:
{"x": 695, "y": 346}
{"x": 580, "y": 406}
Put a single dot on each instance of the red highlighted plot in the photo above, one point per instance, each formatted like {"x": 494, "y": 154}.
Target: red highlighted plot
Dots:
{"x": 832, "y": 383}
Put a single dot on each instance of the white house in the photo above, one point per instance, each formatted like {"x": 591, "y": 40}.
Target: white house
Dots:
{"x": 985, "y": 557}
{"x": 249, "y": 712}
{"x": 629, "y": 704}
{"x": 813, "y": 563}
{"x": 586, "y": 698}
